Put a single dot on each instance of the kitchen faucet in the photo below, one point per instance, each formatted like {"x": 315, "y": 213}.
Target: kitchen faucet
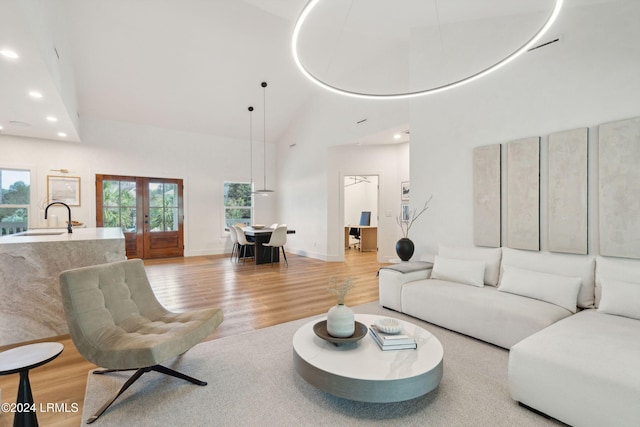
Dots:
{"x": 69, "y": 229}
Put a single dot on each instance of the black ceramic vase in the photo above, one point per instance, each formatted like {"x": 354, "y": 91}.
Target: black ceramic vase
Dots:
{"x": 404, "y": 249}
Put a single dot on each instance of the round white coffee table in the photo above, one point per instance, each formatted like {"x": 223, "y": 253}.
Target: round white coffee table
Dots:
{"x": 362, "y": 371}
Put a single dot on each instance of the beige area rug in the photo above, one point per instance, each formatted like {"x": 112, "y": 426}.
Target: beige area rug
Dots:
{"x": 252, "y": 382}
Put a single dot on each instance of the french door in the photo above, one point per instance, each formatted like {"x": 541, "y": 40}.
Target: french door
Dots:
{"x": 149, "y": 211}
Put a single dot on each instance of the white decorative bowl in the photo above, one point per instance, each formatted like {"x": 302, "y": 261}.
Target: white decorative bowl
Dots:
{"x": 389, "y": 326}
{"x": 257, "y": 226}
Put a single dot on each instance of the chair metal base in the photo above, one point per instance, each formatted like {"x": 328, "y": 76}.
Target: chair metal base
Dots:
{"x": 134, "y": 378}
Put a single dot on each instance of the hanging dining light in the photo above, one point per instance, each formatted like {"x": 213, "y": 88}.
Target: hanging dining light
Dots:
{"x": 251, "y": 146}
{"x": 264, "y": 191}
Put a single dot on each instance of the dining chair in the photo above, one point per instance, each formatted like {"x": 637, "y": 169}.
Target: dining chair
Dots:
{"x": 278, "y": 240}
{"x": 274, "y": 226}
{"x": 234, "y": 240}
{"x": 243, "y": 244}
{"x": 116, "y": 322}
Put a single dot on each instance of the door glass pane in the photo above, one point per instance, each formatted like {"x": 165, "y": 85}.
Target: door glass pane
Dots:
{"x": 163, "y": 207}
{"x": 119, "y": 205}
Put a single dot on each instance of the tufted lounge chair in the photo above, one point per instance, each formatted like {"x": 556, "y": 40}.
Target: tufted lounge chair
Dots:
{"x": 116, "y": 322}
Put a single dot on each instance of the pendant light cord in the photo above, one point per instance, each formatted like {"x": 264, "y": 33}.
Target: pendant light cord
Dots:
{"x": 251, "y": 147}
{"x": 264, "y": 124}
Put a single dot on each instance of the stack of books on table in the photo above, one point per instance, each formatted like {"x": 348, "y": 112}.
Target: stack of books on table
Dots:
{"x": 392, "y": 342}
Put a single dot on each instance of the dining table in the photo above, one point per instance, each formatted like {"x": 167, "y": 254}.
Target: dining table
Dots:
{"x": 260, "y": 236}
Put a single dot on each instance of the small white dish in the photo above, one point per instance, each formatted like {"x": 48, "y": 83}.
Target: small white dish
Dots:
{"x": 257, "y": 226}
{"x": 388, "y": 326}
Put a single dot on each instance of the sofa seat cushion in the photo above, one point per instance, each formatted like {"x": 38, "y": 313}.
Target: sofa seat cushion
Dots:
{"x": 583, "y": 370}
{"x": 485, "y": 313}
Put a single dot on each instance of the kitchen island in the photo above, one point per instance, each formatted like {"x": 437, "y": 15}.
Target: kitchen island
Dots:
{"x": 30, "y": 263}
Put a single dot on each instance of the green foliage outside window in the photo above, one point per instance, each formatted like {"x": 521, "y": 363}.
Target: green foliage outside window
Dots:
{"x": 15, "y": 198}
{"x": 163, "y": 207}
{"x": 119, "y": 205}
{"x": 238, "y": 204}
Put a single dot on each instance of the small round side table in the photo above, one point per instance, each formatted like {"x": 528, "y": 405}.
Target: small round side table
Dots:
{"x": 21, "y": 360}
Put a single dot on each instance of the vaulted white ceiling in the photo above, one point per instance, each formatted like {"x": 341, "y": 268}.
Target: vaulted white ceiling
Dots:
{"x": 196, "y": 65}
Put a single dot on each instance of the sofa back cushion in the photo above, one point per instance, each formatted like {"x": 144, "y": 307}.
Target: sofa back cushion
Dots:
{"x": 582, "y": 266}
{"x": 490, "y": 257}
{"x": 620, "y": 298}
{"x": 467, "y": 272}
{"x": 552, "y": 288}
{"x": 619, "y": 269}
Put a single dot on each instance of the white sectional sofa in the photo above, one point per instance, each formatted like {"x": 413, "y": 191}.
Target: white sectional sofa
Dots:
{"x": 482, "y": 310}
{"x": 571, "y": 322}
{"x": 585, "y": 370}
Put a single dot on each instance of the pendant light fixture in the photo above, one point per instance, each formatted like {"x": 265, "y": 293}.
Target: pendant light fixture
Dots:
{"x": 251, "y": 146}
{"x": 264, "y": 190}
{"x": 311, "y": 4}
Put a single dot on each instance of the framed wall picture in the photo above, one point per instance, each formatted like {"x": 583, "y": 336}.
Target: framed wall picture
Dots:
{"x": 404, "y": 190}
{"x": 404, "y": 212}
{"x": 64, "y": 189}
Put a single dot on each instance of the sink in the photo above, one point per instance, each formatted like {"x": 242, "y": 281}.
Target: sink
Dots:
{"x": 39, "y": 233}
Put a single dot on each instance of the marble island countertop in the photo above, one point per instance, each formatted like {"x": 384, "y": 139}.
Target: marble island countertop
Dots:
{"x": 61, "y": 235}
{"x": 30, "y": 264}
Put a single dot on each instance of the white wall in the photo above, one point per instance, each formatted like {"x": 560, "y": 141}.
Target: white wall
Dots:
{"x": 310, "y": 174}
{"x": 590, "y": 78}
{"x": 204, "y": 162}
{"x": 389, "y": 163}
{"x": 360, "y": 195}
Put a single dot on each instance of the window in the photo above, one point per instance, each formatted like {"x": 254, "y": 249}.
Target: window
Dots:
{"x": 163, "y": 207}
{"x": 238, "y": 204}
{"x": 119, "y": 204}
{"x": 15, "y": 197}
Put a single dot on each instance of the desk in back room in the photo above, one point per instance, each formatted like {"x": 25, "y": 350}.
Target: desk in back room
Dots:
{"x": 368, "y": 237}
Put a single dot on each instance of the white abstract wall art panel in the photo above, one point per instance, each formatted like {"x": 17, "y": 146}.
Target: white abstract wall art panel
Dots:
{"x": 568, "y": 189}
{"x": 523, "y": 194}
{"x": 619, "y": 188}
{"x": 486, "y": 196}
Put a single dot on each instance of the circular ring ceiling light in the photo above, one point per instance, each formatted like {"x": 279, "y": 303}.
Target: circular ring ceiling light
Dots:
{"x": 308, "y": 8}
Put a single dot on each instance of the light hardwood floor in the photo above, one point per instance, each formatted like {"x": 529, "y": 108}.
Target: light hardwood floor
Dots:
{"x": 251, "y": 297}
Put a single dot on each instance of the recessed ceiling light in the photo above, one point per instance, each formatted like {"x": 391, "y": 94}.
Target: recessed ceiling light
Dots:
{"x": 62, "y": 134}
{"x": 0, "y": 127}
{"x": 8, "y": 53}
{"x": 35, "y": 94}
{"x": 397, "y": 136}
{"x": 52, "y": 119}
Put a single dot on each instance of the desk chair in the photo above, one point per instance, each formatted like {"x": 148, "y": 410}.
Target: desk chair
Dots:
{"x": 116, "y": 322}
{"x": 355, "y": 232}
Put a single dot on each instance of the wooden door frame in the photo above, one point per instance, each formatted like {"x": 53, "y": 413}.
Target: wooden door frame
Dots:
{"x": 148, "y": 249}
{"x": 136, "y": 246}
